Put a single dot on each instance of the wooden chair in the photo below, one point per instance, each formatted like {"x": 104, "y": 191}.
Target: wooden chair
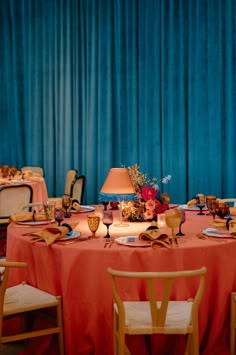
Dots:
{"x": 25, "y": 300}
{"x": 12, "y": 199}
{"x": 232, "y": 322}
{"x": 77, "y": 190}
{"x": 70, "y": 178}
{"x": 158, "y": 315}
{"x": 34, "y": 169}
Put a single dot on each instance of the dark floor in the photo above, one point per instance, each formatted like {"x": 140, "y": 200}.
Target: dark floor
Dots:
{"x": 11, "y": 348}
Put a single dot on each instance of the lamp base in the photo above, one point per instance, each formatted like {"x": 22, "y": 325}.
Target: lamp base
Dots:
{"x": 121, "y": 224}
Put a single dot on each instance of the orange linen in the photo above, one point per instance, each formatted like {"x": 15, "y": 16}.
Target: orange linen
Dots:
{"x": 79, "y": 273}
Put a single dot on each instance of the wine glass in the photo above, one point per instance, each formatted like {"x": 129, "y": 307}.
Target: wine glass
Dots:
{"x": 173, "y": 220}
{"x": 211, "y": 205}
{"x": 209, "y": 199}
{"x": 107, "y": 219}
{"x": 201, "y": 201}
{"x": 66, "y": 204}
{"x": 59, "y": 215}
{"x": 222, "y": 209}
{"x": 49, "y": 210}
{"x": 93, "y": 223}
{"x": 183, "y": 218}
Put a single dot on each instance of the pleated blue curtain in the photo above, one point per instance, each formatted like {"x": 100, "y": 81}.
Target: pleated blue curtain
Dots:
{"x": 92, "y": 85}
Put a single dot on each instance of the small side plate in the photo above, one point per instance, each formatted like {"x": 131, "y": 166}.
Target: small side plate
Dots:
{"x": 75, "y": 235}
{"x": 217, "y": 233}
{"x": 132, "y": 241}
{"x": 194, "y": 208}
{"x": 83, "y": 209}
{"x": 31, "y": 223}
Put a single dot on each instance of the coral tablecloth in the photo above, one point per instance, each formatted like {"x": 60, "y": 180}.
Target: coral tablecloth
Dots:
{"x": 78, "y": 273}
{"x": 40, "y": 193}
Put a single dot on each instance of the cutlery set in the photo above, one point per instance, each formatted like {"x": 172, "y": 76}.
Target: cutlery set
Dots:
{"x": 204, "y": 237}
{"x": 108, "y": 243}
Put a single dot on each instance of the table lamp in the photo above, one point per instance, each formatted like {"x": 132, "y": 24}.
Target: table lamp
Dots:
{"x": 118, "y": 187}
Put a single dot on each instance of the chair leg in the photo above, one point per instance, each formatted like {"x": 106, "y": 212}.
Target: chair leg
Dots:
{"x": 60, "y": 325}
{"x": 188, "y": 345}
{"x": 232, "y": 322}
{"x": 115, "y": 329}
{"x": 194, "y": 343}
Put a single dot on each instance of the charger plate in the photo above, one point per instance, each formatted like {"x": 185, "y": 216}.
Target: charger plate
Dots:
{"x": 74, "y": 235}
{"x": 132, "y": 241}
{"x": 32, "y": 223}
{"x": 83, "y": 209}
{"x": 194, "y": 208}
{"x": 217, "y": 233}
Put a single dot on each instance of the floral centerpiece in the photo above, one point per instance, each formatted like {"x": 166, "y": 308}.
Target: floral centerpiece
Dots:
{"x": 149, "y": 202}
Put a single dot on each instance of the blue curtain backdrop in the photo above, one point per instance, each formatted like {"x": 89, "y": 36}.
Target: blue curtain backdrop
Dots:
{"x": 92, "y": 85}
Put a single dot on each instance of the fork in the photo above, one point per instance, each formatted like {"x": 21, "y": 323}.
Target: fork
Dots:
{"x": 108, "y": 243}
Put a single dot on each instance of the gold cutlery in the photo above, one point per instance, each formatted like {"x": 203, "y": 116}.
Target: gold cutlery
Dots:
{"x": 108, "y": 243}
{"x": 213, "y": 239}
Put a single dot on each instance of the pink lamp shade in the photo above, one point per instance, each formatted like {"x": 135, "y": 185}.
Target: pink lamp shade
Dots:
{"x": 117, "y": 186}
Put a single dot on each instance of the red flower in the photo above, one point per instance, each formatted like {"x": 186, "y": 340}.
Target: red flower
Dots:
{"x": 148, "y": 193}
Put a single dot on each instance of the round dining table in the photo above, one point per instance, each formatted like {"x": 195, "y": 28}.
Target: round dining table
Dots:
{"x": 78, "y": 272}
{"x": 38, "y": 184}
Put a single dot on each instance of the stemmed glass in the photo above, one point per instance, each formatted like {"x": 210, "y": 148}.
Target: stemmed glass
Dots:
{"x": 222, "y": 209}
{"x": 201, "y": 201}
{"x": 173, "y": 220}
{"x": 66, "y": 204}
{"x": 93, "y": 223}
{"x": 59, "y": 215}
{"x": 209, "y": 200}
{"x": 183, "y": 218}
{"x": 211, "y": 205}
{"x": 49, "y": 210}
{"x": 107, "y": 219}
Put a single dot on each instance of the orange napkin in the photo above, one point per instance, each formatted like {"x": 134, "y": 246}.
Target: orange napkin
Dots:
{"x": 191, "y": 203}
{"x": 157, "y": 237}
{"x": 221, "y": 224}
{"x": 232, "y": 211}
{"x": 76, "y": 205}
{"x": 218, "y": 223}
{"x": 27, "y": 217}
{"x": 50, "y": 234}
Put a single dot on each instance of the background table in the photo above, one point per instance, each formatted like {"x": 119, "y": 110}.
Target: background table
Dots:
{"x": 78, "y": 272}
{"x": 40, "y": 193}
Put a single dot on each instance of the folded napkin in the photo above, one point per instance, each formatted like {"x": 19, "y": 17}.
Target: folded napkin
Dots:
{"x": 191, "y": 203}
{"x": 218, "y": 223}
{"x": 232, "y": 211}
{"x": 221, "y": 224}
{"x": 157, "y": 237}
{"x": 50, "y": 234}
{"x": 27, "y": 217}
{"x": 76, "y": 205}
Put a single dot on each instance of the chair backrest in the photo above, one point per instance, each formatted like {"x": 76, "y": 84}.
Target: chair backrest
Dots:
{"x": 70, "y": 177}
{"x": 159, "y": 287}
{"x": 13, "y": 198}
{"x": 232, "y": 200}
{"x": 4, "y": 266}
{"x": 34, "y": 169}
{"x": 77, "y": 191}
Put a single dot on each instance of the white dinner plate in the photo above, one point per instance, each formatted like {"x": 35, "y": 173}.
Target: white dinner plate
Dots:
{"x": 132, "y": 241}
{"x": 75, "y": 235}
{"x": 194, "y": 208}
{"x": 83, "y": 209}
{"x": 31, "y": 223}
{"x": 218, "y": 233}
